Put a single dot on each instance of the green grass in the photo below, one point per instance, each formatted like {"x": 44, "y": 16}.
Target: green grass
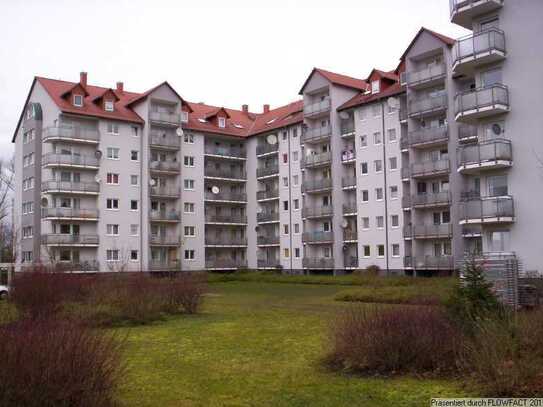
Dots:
{"x": 256, "y": 344}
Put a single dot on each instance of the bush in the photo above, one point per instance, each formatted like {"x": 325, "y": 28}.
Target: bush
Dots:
{"x": 185, "y": 292}
{"x": 49, "y": 362}
{"x": 395, "y": 340}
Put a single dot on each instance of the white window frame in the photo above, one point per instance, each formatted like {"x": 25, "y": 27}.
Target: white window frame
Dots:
{"x": 76, "y": 98}
{"x": 109, "y": 106}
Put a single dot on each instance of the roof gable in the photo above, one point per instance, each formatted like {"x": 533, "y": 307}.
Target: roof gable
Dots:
{"x": 336, "y": 79}
{"x": 443, "y": 38}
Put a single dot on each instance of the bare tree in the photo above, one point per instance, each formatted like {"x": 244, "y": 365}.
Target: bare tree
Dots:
{"x": 121, "y": 264}
{"x": 7, "y": 179}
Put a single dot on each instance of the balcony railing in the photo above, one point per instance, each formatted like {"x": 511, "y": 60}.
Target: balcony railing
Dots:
{"x": 269, "y": 194}
{"x": 266, "y": 240}
{"x": 351, "y": 261}
{"x": 406, "y": 173}
{"x": 427, "y": 105}
{"x": 483, "y": 101}
{"x": 443, "y": 230}
{"x": 316, "y": 134}
{"x": 226, "y": 196}
{"x": 165, "y": 216}
{"x": 402, "y": 113}
{"x": 428, "y": 75}
{"x": 406, "y": 202}
{"x": 267, "y": 148}
{"x": 479, "y": 48}
{"x": 317, "y": 237}
{"x": 225, "y": 173}
{"x": 314, "y": 160}
{"x": 67, "y": 186}
{"x": 431, "y": 199}
{"x": 211, "y": 240}
{"x": 313, "y": 185}
{"x": 225, "y": 264}
{"x": 462, "y": 11}
{"x": 350, "y": 207}
{"x": 164, "y": 240}
{"x": 347, "y": 127}
{"x": 269, "y": 263}
{"x": 489, "y": 154}
{"x": 429, "y": 262}
{"x": 487, "y": 209}
{"x": 266, "y": 171}
{"x": 225, "y": 151}
{"x": 170, "y": 166}
{"x": 70, "y": 213}
{"x": 70, "y": 133}
{"x": 59, "y": 239}
{"x": 348, "y": 182}
{"x": 322, "y": 263}
{"x": 319, "y": 211}
{"x": 467, "y": 132}
{"x": 165, "y": 192}
{"x": 82, "y": 266}
{"x": 317, "y": 108}
{"x": 164, "y": 265}
{"x": 404, "y": 142}
{"x": 350, "y": 235}
{"x": 430, "y": 168}
{"x": 348, "y": 155}
{"x": 69, "y": 160}
{"x": 230, "y": 218}
{"x": 165, "y": 141}
{"x": 428, "y": 136}
{"x": 165, "y": 117}
{"x": 267, "y": 216}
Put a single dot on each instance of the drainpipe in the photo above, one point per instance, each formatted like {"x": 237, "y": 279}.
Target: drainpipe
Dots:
{"x": 289, "y": 203}
{"x": 385, "y": 192}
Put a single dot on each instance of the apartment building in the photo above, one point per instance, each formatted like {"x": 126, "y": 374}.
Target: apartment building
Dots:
{"x": 408, "y": 169}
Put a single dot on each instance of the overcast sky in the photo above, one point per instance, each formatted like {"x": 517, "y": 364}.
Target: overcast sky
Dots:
{"x": 220, "y": 52}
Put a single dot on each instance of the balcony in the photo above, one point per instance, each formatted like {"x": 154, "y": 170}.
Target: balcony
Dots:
{"x": 67, "y": 187}
{"x": 164, "y": 192}
{"x": 172, "y": 216}
{"x": 348, "y": 156}
{"x": 59, "y": 239}
{"x": 483, "y": 102}
{"x": 225, "y": 152}
{"x": 226, "y": 197}
{"x": 402, "y": 113}
{"x": 404, "y": 143}
{"x": 263, "y": 217}
{"x": 316, "y": 135}
{"x": 464, "y": 11}
{"x": 267, "y": 240}
{"x": 406, "y": 203}
{"x": 348, "y": 182}
{"x": 350, "y": 262}
{"x": 164, "y": 240}
{"x": 350, "y": 235}
{"x": 441, "y": 231}
{"x": 317, "y": 237}
{"x": 478, "y": 49}
{"x": 225, "y": 241}
{"x": 428, "y": 137}
{"x": 405, "y": 173}
{"x": 467, "y": 133}
{"x": 488, "y": 155}
{"x": 318, "y": 264}
{"x": 269, "y": 194}
{"x": 317, "y": 185}
{"x": 165, "y": 142}
{"x": 268, "y": 264}
{"x": 165, "y": 118}
{"x": 472, "y": 231}
{"x": 318, "y": 212}
{"x": 272, "y": 170}
{"x": 497, "y": 209}
{"x": 171, "y": 167}
{"x": 350, "y": 208}
{"x": 91, "y": 266}
{"x": 427, "y": 106}
{"x": 429, "y": 262}
{"x": 70, "y": 214}
{"x": 424, "y": 78}
{"x": 267, "y": 149}
{"x": 317, "y": 109}
{"x": 230, "y": 219}
{"x": 225, "y": 174}
{"x": 347, "y": 128}
{"x": 430, "y": 169}
{"x": 164, "y": 265}
{"x": 69, "y": 161}
{"x": 317, "y": 160}
{"x": 71, "y": 134}
{"x": 431, "y": 200}
{"x": 225, "y": 264}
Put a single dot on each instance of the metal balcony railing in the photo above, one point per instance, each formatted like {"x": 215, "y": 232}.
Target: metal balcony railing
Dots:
{"x": 350, "y": 235}
{"x": 225, "y": 240}
{"x": 225, "y": 151}
{"x": 170, "y": 166}
{"x": 406, "y": 172}
{"x": 467, "y": 132}
{"x": 267, "y": 148}
{"x": 347, "y": 127}
{"x": 225, "y": 173}
{"x": 485, "y": 98}
{"x": 69, "y": 160}
{"x": 428, "y": 74}
{"x": 69, "y": 213}
{"x": 350, "y": 207}
{"x": 230, "y": 218}
{"x": 443, "y": 230}
{"x": 313, "y": 160}
{"x": 457, "y": 6}
{"x": 406, "y": 201}
{"x": 165, "y": 141}
{"x": 269, "y": 194}
{"x": 225, "y": 264}
{"x": 472, "y": 46}
{"x": 164, "y": 240}
{"x": 60, "y": 239}
{"x": 317, "y": 237}
{"x": 312, "y": 185}
{"x": 164, "y": 265}
{"x": 317, "y": 108}
{"x": 432, "y": 199}
{"x": 350, "y": 261}
{"x": 264, "y": 240}
{"x": 165, "y": 117}
{"x": 266, "y": 171}
{"x": 427, "y": 105}
{"x": 348, "y": 155}
{"x": 172, "y": 216}
{"x": 267, "y": 216}
{"x": 268, "y": 263}
{"x": 430, "y": 168}
{"x": 485, "y": 153}
{"x": 67, "y": 186}
{"x": 322, "y": 263}
{"x": 484, "y": 209}
{"x": 402, "y": 113}
{"x": 73, "y": 133}
{"x": 316, "y": 134}
{"x": 167, "y": 192}
{"x": 319, "y": 211}
{"x": 347, "y": 182}
{"x": 82, "y": 266}
{"x": 226, "y": 196}
{"x": 429, "y": 135}
{"x": 404, "y": 142}
{"x": 429, "y": 262}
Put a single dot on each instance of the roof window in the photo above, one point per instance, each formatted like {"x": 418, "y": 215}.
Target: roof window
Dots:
{"x": 109, "y": 106}
{"x": 78, "y": 100}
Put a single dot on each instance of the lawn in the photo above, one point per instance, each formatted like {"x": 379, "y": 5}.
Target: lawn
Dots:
{"x": 256, "y": 344}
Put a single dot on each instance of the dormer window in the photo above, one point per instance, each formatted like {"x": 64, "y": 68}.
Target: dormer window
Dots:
{"x": 222, "y": 122}
{"x": 78, "y": 100}
{"x": 375, "y": 87}
{"x": 109, "y": 106}
{"x": 184, "y": 117}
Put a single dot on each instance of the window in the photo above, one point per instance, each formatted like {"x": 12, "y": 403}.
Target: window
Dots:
{"x": 363, "y": 141}
{"x": 499, "y": 241}
{"x": 376, "y": 110}
{"x": 112, "y": 203}
{"x": 134, "y": 155}
{"x": 380, "y": 222}
{"x": 395, "y": 250}
{"x": 364, "y": 168}
{"x": 394, "y": 192}
{"x": 188, "y": 138}
{"x": 327, "y": 253}
{"x": 491, "y": 77}
{"x": 295, "y": 179}
{"x": 135, "y": 131}
{"x": 27, "y": 232}
{"x": 294, "y": 132}
{"x": 393, "y": 163}
{"x": 285, "y": 158}
{"x": 365, "y": 222}
{"x": 297, "y": 252}
{"x": 134, "y": 229}
{"x": 222, "y": 122}
{"x": 285, "y": 229}
{"x": 112, "y": 230}
{"x": 189, "y": 254}
{"x": 286, "y": 252}
{"x": 395, "y": 221}
{"x": 112, "y": 179}
{"x": 296, "y": 228}
{"x": 112, "y": 153}
{"x": 392, "y": 135}
{"x": 365, "y": 196}
{"x": 27, "y": 256}
{"x": 378, "y": 165}
{"x": 109, "y": 106}
{"x": 285, "y": 181}
{"x": 497, "y": 185}
{"x": 134, "y": 205}
{"x": 366, "y": 250}
{"x": 285, "y": 135}
{"x": 188, "y": 161}
{"x": 113, "y": 128}
{"x": 188, "y": 207}
{"x": 78, "y": 100}
{"x": 28, "y": 136}
{"x": 285, "y": 205}
{"x": 377, "y": 138}
{"x": 190, "y": 231}
{"x": 184, "y": 116}
{"x": 295, "y": 156}
{"x": 380, "y": 250}
{"x": 375, "y": 86}
{"x": 134, "y": 255}
{"x": 296, "y": 203}
{"x": 134, "y": 180}
{"x": 188, "y": 184}
{"x": 379, "y": 194}
{"x": 112, "y": 255}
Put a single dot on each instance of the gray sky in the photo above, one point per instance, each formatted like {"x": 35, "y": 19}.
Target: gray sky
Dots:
{"x": 214, "y": 51}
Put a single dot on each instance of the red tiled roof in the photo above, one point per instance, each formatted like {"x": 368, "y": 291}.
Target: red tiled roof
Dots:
{"x": 279, "y": 117}
{"x": 238, "y": 124}
{"x": 389, "y": 75}
{"x": 337, "y": 79}
{"x": 362, "y": 98}
{"x": 447, "y": 40}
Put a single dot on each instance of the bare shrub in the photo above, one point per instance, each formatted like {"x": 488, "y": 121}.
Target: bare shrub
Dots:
{"x": 185, "y": 291}
{"x": 49, "y": 362}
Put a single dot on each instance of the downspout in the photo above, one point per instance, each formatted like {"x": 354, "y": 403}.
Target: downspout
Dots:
{"x": 289, "y": 203}
{"x": 141, "y": 199}
{"x": 385, "y": 192}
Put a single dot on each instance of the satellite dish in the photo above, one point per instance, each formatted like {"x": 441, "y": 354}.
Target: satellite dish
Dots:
{"x": 272, "y": 139}
{"x": 44, "y": 202}
{"x": 179, "y": 132}
{"x": 392, "y": 102}
{"x": 215, "y": 189}
{"x": 496, "y": 129}
{"x": 98, "y": 154}
{"x": 344, "y": 247}
{"x": 256, "y": 228}
{"x": 152, "y": 182}
{"x": 97, "y": 179}
{"x": 344, "y": 115}
{"x": 344, "y": 224}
